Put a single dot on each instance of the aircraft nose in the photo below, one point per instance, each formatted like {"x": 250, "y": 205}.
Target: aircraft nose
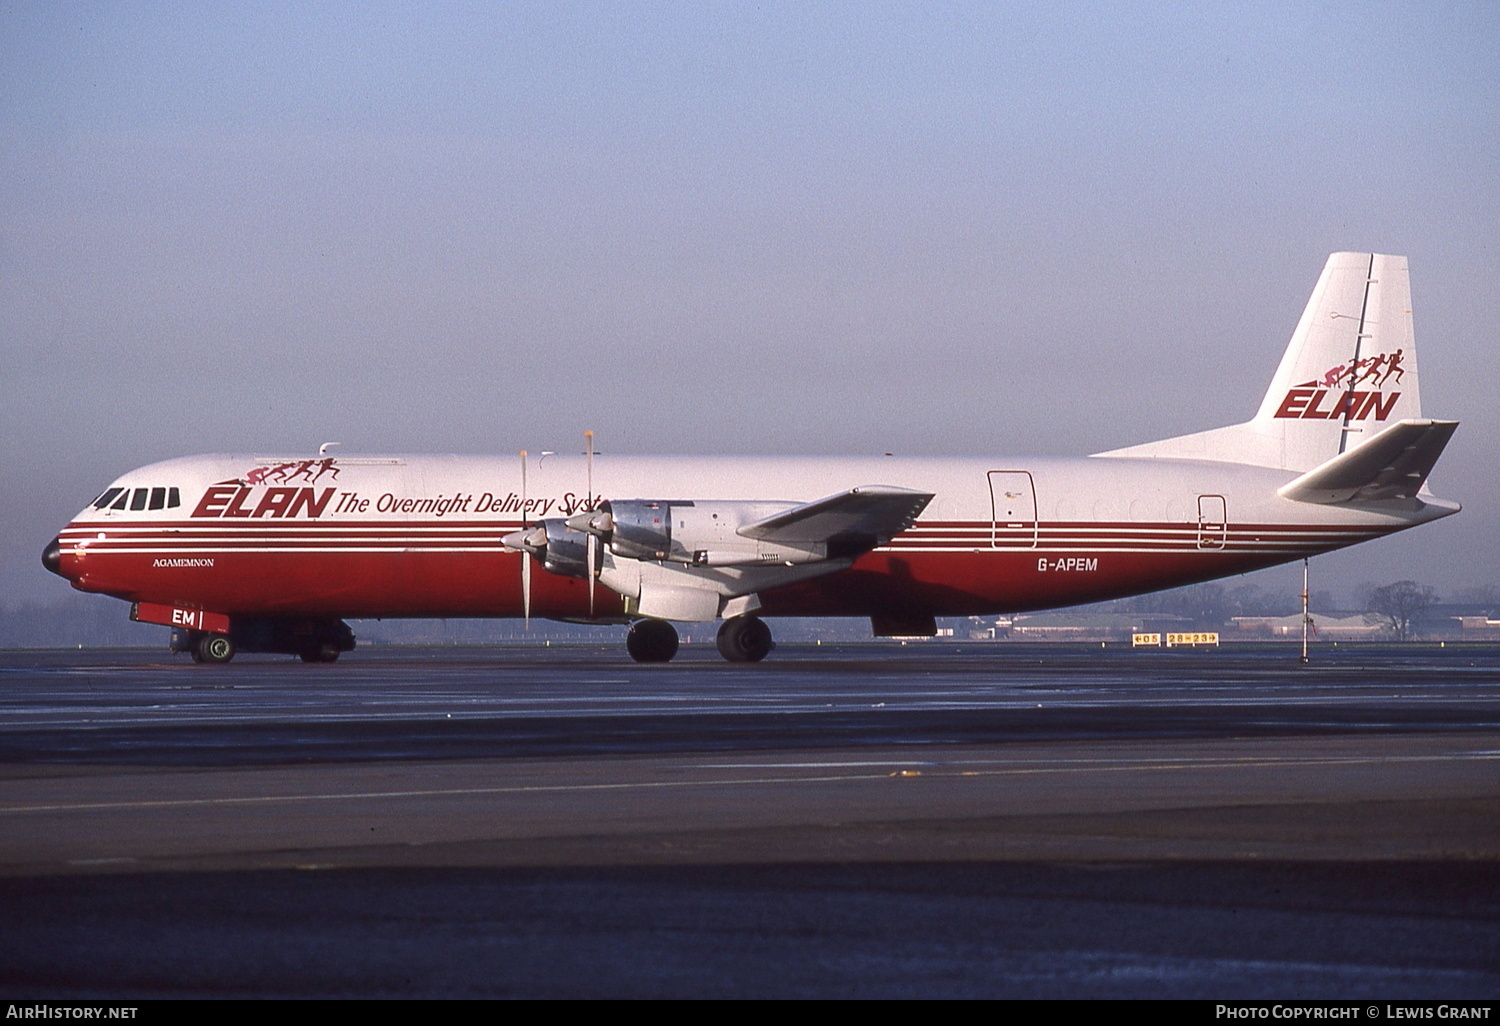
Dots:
{"x": 52, "y": 557}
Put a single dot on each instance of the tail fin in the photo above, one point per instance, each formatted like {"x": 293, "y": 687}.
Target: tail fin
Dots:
{"x": 1349, "y": 371}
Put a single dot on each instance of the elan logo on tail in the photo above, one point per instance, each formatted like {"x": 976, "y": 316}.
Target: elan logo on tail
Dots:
{"x": 1321, "y": 399}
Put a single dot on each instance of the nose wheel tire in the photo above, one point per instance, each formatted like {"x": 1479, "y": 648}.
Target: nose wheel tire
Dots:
{"x": 213, "y": 648}
{"x": 745, "y": 639}
{"x": 651, "y": 641}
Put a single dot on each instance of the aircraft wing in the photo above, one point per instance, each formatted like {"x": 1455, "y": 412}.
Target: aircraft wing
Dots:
{"x": 1392, "y": 465}
{"x": 859, "y": 518}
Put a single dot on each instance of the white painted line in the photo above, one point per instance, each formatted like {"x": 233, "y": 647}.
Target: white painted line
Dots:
{"x": 1159, "y": 765}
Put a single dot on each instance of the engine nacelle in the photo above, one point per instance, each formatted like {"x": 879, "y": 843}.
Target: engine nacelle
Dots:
{"x": 640, "y": 528}
{"x": 566, "y": 550}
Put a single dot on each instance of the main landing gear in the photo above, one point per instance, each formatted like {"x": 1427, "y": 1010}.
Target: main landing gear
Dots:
{"x": 325, "y": 652}
{"x": 742, "y": 639}
{"x": 745, "y": 639}
{"x": 651, "y": 641}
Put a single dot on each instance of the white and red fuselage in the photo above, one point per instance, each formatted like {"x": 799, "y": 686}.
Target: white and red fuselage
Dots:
{"x": 420, "y": 536}
{"x": 1338, "y": 453}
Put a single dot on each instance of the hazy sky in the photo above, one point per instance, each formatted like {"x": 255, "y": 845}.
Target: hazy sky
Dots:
{"x": 847, "y": 227}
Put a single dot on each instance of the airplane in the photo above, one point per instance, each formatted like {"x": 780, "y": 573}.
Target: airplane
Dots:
{"x": 263, "y": 553}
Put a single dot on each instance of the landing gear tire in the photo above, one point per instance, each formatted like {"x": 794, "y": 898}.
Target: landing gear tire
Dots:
{"x": 745, "y": 639}
{"x": 327, "y": 652}
{"x": 651, "y": 641}
{"x": 213, "y": 648}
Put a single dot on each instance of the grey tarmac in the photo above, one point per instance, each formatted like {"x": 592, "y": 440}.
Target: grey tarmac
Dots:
{"x": 921, "y": 820}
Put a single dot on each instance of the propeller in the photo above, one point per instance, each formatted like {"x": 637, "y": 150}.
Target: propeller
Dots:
{"x": 533, "y": 542}
{"x": 525, "y": 557}
{"x": 530, "y": 542}
{"x": 592, "y": 546}
{"x": 532, "y": 539}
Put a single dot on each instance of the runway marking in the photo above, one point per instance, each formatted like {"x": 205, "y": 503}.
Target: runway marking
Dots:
{"x": 211, "y": 714}
{"x": 1123, "y": 761}
{"x": 1086, "y": 767}
{"x": 434, "y": 793}
{"x": 101, "y": 862}
{"x": 821, "y": 765}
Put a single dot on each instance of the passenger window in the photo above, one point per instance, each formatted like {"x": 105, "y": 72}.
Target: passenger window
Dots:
{"x": 107, "y": 498}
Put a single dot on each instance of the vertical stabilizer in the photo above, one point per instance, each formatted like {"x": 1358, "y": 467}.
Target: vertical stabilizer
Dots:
{"x": 1349, "y": 371}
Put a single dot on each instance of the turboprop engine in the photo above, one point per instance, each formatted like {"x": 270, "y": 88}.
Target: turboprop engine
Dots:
{"x": 561, "y": 549}
{"x": 701, "y": 533}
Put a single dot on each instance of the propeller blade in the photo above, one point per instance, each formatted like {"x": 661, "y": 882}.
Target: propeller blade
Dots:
{"x": 593, "y": 545}
{"x": 526, "y": 588}
{"x": 525, "y": 556}
{"x": 588, "y": 437}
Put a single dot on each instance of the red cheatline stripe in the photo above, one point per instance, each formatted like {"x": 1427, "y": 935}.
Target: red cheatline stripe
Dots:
{"x": 1010, "y": 539}
{"x": 1046, "y": 530}
{"x": 1002, "y": 545}
{"x": 147, "y": 548}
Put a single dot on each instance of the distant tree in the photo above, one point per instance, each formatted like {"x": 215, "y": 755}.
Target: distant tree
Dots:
{"x": 1400, "y": 606}
{"x": 75, "y": 621}
{"x": 1209, "y": 605}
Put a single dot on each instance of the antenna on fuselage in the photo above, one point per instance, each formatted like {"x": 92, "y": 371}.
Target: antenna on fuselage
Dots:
{"x": 323, "y": 449}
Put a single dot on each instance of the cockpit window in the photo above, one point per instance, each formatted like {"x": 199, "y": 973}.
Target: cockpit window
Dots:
{"x": 139, "y": 498}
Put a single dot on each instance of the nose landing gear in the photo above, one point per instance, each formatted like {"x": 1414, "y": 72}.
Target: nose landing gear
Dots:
{"x": 313, "y": 640}
{"x": 213, "y": 648}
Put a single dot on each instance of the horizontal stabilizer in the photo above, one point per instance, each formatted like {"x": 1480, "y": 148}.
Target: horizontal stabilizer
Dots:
{"x": 875, "y": 512}
{"x": 1392, "y": 465}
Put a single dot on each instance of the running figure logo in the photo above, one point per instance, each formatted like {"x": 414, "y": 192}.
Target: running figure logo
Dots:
{"x": 1350, "y": 391}
{"x": 284, "y": 473}
{"x": 1366, "y": 370}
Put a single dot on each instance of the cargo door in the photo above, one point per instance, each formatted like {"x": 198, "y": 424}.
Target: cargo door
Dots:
{"x": 1213, "y": 522}
{"x": 1012, "y": 510}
